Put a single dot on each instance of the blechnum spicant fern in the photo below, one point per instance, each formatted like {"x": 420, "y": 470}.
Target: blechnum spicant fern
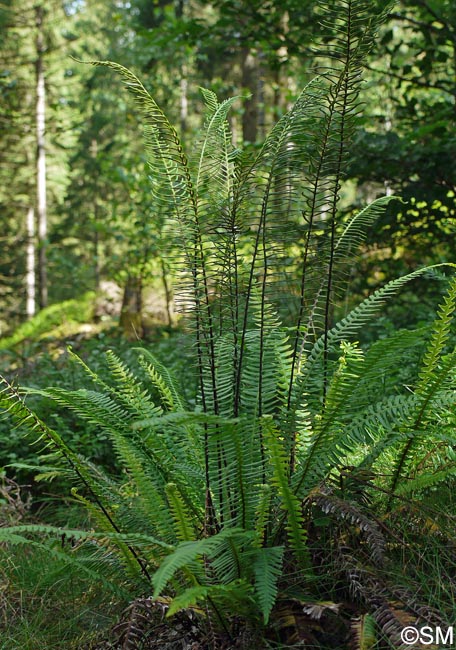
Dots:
{"x": 290, "y": 425}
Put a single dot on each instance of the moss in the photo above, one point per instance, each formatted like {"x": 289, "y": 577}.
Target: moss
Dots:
{"x": 61, "y": 317}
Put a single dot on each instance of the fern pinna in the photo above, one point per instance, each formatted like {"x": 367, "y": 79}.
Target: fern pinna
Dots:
{"x": 218, "y": 502}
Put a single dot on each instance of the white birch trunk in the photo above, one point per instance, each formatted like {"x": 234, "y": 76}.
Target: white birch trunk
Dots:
{"x": 30, "y": 264}
{"x": 41, "y": 203}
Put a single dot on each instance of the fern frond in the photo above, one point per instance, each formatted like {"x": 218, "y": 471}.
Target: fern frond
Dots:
{"x": 364, "y": 634}
{"x": 128, "y": 390}
{"x": 425, "y": 481}
{"x": 189, "y": 598}
{"x": 354, "y": 232}
{"x": 12, "y": 402}
{"x": 127, "y": 558}
{"x": 186, "y": 553}
{"x": 313, "y": 464}
{"x": 267, "y": 568}
{"x": 435, "y": 371}
{"x": 439, "y": 339}
{"x": 348, "y": 512}
{"x": 237, "y": 593}
{"x": 161, "y": 379}
{"x": 262, "y": 514}
{"x": 363, "y": 313}
{"x": 184, "y": 528}
{"x": 274, "y": 213}
{"x": 288, "y": 500}
{"x": 98, "y": 566}
{"x": 166, "y": 157}
{"x": 215, "y": 166}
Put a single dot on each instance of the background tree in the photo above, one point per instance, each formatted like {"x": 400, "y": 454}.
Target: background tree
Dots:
{"x": 32, "y": 85}
{"x": 411, "y": 100}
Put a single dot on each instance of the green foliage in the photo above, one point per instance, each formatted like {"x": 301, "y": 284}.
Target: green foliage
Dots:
{"x": 64, "y": 605}
{"x": 52, "y": 320}
{"x": 290, "y": 448}
{"x": 48, "y": 361}
{"x": 364, "y": 633}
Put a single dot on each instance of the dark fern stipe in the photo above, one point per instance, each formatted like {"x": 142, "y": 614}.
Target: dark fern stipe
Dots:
{"x": 269, "y": 508}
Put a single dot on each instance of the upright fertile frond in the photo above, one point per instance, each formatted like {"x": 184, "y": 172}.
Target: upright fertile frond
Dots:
{"x": 214, "y": 175}
{"x": 166, "y": 157}
{"x": 174, "y": 190}
{"x": 355, "y": 23}
{"x": 213, "y": 161}
{"x": 269, "y": 205}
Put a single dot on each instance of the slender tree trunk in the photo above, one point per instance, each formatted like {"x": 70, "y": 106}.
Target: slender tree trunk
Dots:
{"x": 249, "y": 81}
{"x": 41, "y": 204}
{"x": 183, "y": 83}
{"x": 281, "y": 79}
{"x": 261, "y": 114}
{"x": 96, "y": 234}
{"x": 168, "y": 296}
{"x": 30, "y": 264}
{"x": 131, "y": 312}
{"x": 96, "y": 255}
{"x": 183, "y": 101}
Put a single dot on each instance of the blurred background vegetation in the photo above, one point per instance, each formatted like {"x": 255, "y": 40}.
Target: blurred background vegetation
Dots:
{"x": 76, "y": 211}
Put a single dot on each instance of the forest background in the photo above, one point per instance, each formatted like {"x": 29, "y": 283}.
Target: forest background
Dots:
{"x": 74, "y": 193}
{"x": 85, "y": 253}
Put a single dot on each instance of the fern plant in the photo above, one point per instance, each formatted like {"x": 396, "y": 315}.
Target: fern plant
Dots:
{"x": 219, "y": 503}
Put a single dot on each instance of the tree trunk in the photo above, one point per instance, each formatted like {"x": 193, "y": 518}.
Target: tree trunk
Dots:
{"x": 168, "y": 296}
{"x": 40, "y": 116}
{"x": 250, "y": 82}
{"x": 281, "y": 78}
{"x": 96, "y": 234}
{"x": 183, "y": 101}
{"x": 30, "y": 264}
{"x": 131, "y": 312}
{"x": 183, "y": 83}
